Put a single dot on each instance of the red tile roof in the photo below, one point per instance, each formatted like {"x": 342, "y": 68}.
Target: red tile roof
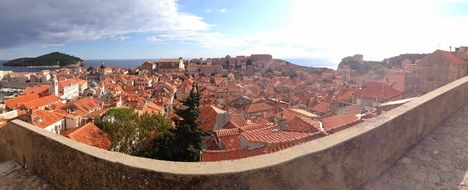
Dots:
{"x": 207, "y": 117}
{"x": 43, "y": 118}
{"x": 40, "y": 102}
{"x": 67, "y": 82}
{"x": 36, "y": 89}
{"x": 339, "y": 122}
{"x": 91, "y": 135}
{"x": 346, "y": 95}
{"x": 378, "y": 90}
{"x": 229, "y": 138}
{"x": 85, "y": 106}
{"x": 258, "y": 126}
{"x": 322, "y": 107}
{"x": 272, "y": 137}
{"x": 213, "y": 155}
{"x": 302, "y": 124}
{"x": 239, "y": 120}
{"x": 14, "y": 102}
{"x": 258, "y": 107}
{"x": 449, "y": 56}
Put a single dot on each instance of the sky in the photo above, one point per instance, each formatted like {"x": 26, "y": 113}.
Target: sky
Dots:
{"x": 321, "y": 31}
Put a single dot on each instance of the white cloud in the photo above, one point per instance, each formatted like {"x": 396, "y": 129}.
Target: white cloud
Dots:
{"x": 221, "y": 10}
{"x": 58, "y": 21}
{"x": 333, "y": 29}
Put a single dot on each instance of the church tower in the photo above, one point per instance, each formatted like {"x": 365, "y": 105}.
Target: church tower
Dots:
{"x": 54, "y": 86}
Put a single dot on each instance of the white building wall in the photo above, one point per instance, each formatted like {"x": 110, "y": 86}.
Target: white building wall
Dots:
{"x": 56, "y": 127}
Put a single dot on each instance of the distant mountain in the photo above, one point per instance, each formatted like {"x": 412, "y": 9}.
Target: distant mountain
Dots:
{"x": 52, "y": 59}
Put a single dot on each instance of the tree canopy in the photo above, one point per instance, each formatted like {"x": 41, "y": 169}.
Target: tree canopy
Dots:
{"x": 130, "y": 132}
{"x": 185, "y": 141}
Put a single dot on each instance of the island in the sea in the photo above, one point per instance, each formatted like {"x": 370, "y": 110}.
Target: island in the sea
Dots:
{"x": 55, "y": 59}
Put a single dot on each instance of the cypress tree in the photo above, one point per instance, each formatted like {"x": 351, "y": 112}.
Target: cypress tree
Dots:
{"x": 185, "y": 141}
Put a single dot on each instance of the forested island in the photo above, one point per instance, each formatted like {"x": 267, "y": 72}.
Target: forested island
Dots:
{"x": 55, "y": 59}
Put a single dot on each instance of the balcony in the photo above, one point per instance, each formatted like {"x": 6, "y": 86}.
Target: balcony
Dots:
{"x": 419, "y": 145}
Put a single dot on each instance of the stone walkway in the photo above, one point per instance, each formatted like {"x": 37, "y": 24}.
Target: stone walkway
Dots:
{"x": 439, "y": 162}
{"x": 13, "y": 177}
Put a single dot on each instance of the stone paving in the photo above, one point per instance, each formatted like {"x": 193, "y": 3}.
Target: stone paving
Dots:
{"x": 439, "y": 161}
{"x": 13, "y": 177}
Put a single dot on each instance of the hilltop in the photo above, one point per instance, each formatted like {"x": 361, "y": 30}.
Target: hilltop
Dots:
{"x": 362, "y": 67}
{"x": 52, "y": 59}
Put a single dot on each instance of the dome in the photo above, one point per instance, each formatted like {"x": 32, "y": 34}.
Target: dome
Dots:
{"x": 103, "y": 66}
{"x": 93, "y": 84}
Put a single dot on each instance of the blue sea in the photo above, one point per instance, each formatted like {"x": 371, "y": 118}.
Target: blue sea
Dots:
{"x": 123, "y": 63}
{"x": 132, "y": 63}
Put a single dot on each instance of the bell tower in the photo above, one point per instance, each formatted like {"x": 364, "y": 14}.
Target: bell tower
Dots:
{"x": 54, "y": 87}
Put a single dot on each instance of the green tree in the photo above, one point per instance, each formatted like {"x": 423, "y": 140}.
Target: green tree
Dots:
{"x": 185, "y": 141}
{"x": 129, "y": 132}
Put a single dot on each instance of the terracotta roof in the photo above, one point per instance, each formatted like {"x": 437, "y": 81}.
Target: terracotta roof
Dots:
{"x": 36, "y": 89}
{"x": 213, "y": 155}
{"x": 346, "y": 95}
{"x": 44, "y": 101}
{"x": 322, "y": 107}
{"x": 302, "y": 124}
{"x": 207, "y": 118}
{"x": 275, "y": 136}
{"x": 378, "y": 90}
{"x": 258, "y": 107}
{"x": 86, "y": 105}
{"x": 230, "y": 89}
{"x": 229, "y": 138}
{"x": 239, "y": 120}
{"x": 14, "y": 102}
{"x": 67, "y": 82}
{"x": 290, "y": 113}
{"x": 258, "y": 126}
{"x": 91, "y": 135}
{"x": 151, "y": 108}
{"x": 449, "y": 56}
{"x": 43, "y": 118}
{"x": 339, "y": 122}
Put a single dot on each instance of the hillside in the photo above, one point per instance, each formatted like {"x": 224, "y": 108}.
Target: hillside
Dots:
{"x": 396, "y": 61}
{"x": 363, "y": 67}
{"x": 47, "y": 60}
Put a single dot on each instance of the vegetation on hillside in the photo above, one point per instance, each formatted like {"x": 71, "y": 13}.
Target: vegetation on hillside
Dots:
{"x": 396, "y": 60}
{"x": 368, "y": 67}
{"x": 51, "y": 59}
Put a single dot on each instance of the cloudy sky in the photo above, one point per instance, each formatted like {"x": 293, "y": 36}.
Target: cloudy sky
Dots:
{"x": 323, "y": 31}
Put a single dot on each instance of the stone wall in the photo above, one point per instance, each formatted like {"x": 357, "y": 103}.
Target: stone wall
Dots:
{"x": 344, "y": 160}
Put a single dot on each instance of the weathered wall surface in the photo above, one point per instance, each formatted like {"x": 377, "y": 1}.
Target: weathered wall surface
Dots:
{"x": 344, "y": 160}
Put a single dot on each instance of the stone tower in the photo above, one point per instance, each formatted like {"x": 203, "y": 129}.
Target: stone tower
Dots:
{"x": 54, "y": 86}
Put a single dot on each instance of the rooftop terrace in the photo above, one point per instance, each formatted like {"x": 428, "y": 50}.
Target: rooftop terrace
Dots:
{"x": 398, "y": 149}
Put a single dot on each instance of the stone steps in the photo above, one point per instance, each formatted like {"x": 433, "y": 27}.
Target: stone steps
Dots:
{"x": 14, "y": 176}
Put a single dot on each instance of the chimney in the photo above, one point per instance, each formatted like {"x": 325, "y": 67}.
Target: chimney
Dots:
{"x": 222, "y": 119}
{"x": 282, "y": 123}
